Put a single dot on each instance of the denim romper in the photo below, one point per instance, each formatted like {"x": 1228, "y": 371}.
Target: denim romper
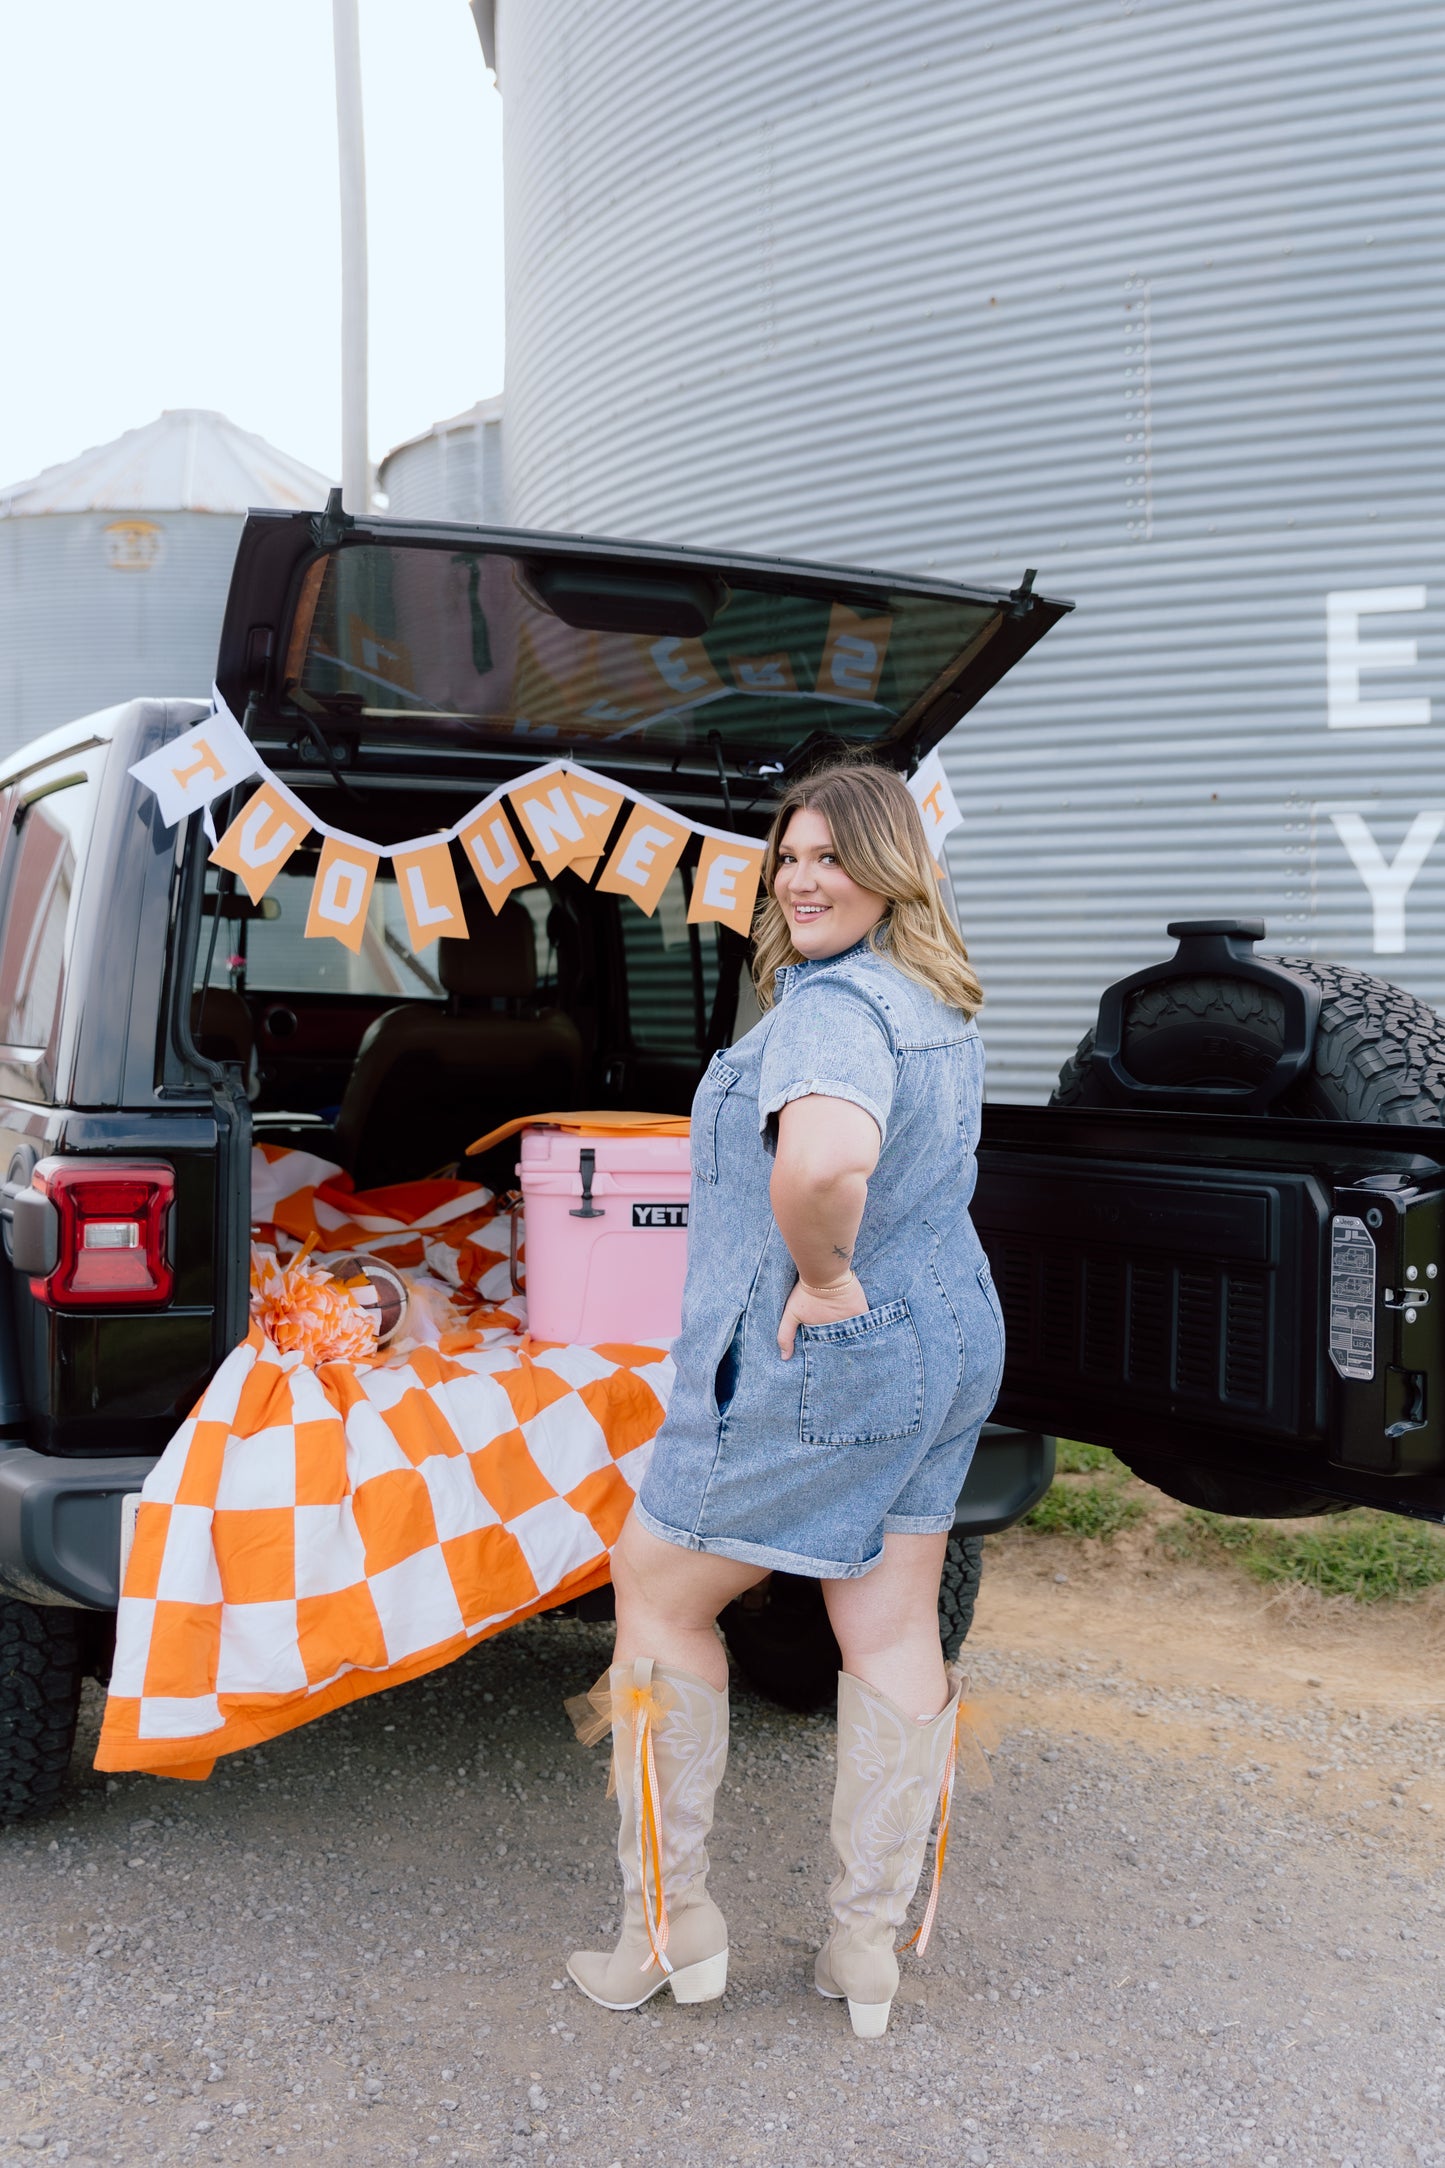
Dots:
{"x": 871, "y": 1426}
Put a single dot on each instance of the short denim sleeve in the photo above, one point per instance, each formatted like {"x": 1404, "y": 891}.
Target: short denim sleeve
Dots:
{"x": 828, "y": 1039}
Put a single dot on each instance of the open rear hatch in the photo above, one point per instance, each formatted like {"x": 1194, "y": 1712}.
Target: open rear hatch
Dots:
{"x": 387, "y": 649}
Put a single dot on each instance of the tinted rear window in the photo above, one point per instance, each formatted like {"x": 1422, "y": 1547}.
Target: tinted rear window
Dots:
{"x": 459, "y": 643}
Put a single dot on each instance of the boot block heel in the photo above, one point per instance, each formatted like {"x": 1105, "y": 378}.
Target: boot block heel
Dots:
{"x": 868, "y": 2019}
{"x": 702, "y": 1982}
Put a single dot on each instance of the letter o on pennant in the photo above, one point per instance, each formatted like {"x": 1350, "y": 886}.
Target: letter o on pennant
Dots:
{"x": 342, "y": 893}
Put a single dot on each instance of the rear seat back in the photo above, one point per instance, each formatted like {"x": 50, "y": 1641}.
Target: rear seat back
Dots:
{"x": 426, "y": 1080}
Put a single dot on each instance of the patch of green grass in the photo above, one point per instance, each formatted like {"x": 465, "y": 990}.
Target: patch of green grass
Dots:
{"x": 1076, "y": 1458}
{"x": 1369, "y": 1556}
{"x": 1085, "y": 1509}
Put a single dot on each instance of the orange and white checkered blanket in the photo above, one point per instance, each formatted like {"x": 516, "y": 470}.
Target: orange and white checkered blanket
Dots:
{"x": 311, "y": 1535}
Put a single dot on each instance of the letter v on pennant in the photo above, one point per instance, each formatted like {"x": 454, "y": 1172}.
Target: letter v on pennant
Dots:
{"x": 260, "y": 840}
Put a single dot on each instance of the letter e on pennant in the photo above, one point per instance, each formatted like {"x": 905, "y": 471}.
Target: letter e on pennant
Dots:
{"x": 260, "y": 840}
{"x": 647, "y": 850}
{"x": 342, "y": 893}
{"x": 427, "y": 884}
{"x": 725, "y": 887}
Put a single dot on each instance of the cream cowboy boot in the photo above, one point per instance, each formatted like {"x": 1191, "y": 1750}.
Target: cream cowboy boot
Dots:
{"x": 892, "y": 1773}
{"x": 669, "y": 1747}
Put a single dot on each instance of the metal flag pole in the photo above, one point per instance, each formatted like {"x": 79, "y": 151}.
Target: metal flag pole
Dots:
{"x": 351, "y": 156}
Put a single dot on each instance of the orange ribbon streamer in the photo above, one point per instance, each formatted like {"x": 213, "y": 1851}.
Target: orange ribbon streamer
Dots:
{"x": 973, "y": 1729}
{"x": 593, "y": 1715}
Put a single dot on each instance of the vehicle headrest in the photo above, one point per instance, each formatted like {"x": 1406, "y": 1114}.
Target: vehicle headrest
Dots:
{"x": 499, "y": 959}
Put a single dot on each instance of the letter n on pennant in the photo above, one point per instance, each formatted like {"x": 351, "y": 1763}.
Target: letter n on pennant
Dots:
{"x": 493, "y": 855}
{"x": 342, "y": 893}
{"x": 427, "y": 883}
{"x": 260, "y": 840}
{"x": 725, "y": 886}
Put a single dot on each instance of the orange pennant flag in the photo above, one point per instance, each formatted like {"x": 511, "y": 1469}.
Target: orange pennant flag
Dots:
{"x": 647, "y": 850}
{"x": 427, "y": 884}
{"x": 725, "y": 886}
{"x": 339, "y": 900}
{"x": 494, "y": 856}
{"x": 260, "y": 840}
{"x": 853, "y": 654}
{"x": 596, "y": 805}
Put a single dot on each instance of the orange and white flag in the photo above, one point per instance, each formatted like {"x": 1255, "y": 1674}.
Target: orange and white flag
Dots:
{"x": 426, "y": 881}
{"x": 193, "y": 769}
{"x": 725, "y": 886}
{"x": 647, "y": 850}
{"x": 493, "y": 853}
{"x": 339, "y": 900}
{"x": 260, "y": 840}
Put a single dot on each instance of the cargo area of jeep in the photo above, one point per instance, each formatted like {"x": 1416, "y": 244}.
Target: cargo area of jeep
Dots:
{"x": 1217, "y": 1249}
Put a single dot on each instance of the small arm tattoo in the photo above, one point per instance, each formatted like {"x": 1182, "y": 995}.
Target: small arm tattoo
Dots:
{"x": 846, "y": 1255}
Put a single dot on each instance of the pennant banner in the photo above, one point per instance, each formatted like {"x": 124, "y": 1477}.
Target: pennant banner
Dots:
{"x": 560, "y": 815}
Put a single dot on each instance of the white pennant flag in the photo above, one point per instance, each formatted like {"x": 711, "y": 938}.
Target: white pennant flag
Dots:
{"x": 196, "y": 767}
{"x": 933, "y": 795}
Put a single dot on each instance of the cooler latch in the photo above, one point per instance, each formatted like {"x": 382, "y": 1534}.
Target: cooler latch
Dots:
{"x": 587, "y": 1167}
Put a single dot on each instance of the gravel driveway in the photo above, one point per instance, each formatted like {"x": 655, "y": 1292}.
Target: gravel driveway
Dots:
{"x": 1185, "y": 1926}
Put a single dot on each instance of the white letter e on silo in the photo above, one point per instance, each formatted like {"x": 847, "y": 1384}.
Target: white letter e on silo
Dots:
{"x": 1346, "y": 655}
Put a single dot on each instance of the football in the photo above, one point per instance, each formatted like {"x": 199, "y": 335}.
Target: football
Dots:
{"x": 378, "y": 1287}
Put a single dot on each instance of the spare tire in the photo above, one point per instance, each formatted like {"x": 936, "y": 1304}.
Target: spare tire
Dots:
{"x": 1379, "y": 1056}
{"x": 1379, "y": 1053}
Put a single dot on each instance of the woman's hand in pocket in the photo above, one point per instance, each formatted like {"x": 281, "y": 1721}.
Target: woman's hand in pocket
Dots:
{"x": 819, "y": 1306}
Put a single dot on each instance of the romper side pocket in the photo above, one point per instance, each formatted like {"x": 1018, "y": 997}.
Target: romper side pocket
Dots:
{"x": 862, "y": 1379}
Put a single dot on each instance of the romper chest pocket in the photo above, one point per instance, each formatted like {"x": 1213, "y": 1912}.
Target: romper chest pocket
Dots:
{"x": 708, "y": 1101}
{"x": 862, "y": 1378}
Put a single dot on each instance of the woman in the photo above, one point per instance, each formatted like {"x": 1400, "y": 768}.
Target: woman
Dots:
{"x": 841, "y": 1347}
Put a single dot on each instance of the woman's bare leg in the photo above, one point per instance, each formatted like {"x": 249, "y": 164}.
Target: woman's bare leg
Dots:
{"x": 886, "y": 1622}
{"x": 668, "y": 1600}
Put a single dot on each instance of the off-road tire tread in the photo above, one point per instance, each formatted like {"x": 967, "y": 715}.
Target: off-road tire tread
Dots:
{"x": 42, "y": 1668}
{"x": 1379, "y": 1052}
{"x": 958, "y": 1590}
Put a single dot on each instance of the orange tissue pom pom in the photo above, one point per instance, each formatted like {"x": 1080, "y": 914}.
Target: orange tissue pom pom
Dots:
{"x": 303, "y": 1310}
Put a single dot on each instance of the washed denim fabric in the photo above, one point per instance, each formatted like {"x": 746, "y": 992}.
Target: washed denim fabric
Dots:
{"x": 871, "y": 1426}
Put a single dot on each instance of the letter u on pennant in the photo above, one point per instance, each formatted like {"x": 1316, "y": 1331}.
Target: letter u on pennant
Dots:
{"x": 427, "y": 884}
{"x": 342, "y": 893}
{"x": 491, "y": 848}
{"x": 260, "y": 840}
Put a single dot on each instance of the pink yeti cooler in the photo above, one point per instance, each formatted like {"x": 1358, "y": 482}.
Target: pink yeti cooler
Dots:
{"x": 606, "y": 1235}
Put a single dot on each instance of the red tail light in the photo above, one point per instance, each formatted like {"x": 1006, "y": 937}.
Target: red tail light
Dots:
{"x": 112, "y": 1221}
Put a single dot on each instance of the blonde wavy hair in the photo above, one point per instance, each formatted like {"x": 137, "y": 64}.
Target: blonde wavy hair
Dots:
{"x": 878, "y": 840}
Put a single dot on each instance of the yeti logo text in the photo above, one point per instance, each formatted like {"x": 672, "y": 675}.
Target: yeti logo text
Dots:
{"x": 659, "y": 1215}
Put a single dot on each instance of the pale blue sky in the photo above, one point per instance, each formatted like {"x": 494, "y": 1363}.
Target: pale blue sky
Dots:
{"x": 168, "y": 177}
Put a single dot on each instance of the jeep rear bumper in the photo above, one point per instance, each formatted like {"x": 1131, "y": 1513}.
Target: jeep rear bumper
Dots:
{"x": 1007, "y": 1477}
{"x": 60, "y": 1526}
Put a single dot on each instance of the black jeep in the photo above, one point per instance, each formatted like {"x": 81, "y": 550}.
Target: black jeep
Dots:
{"x": 1217, "y": 1251}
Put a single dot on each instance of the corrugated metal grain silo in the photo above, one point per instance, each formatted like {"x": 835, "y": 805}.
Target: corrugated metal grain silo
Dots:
{"x": 1147, "y": 295}
{"x": 451, "y": 471}
{"x": 114, "y": 566}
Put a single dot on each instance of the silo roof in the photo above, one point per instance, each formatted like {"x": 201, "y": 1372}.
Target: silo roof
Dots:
{"x": 189, "y": 460}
